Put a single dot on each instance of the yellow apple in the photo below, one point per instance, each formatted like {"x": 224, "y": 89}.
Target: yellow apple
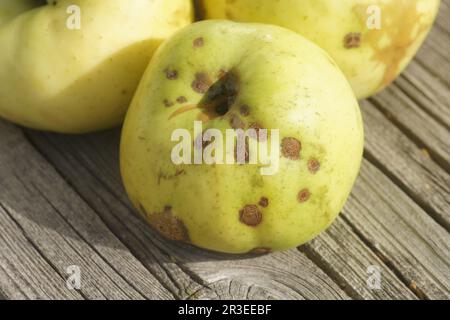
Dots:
{"x": 372, "y": 41}
{"x": 225, "y": 76}
{"x": 73, "y": 65}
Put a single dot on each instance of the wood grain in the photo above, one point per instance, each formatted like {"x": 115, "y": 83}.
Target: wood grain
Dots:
{"x": 407, "y": 164}
{"x": 62, "y": 229}
{"x": 401, "y": 233}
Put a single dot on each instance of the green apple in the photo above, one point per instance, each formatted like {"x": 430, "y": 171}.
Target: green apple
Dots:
{"x": 73, "y": 65}
{"x": 372, "y": 41}
{"x": 230, "y": 76}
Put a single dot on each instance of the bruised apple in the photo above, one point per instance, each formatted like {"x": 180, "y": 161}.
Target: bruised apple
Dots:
{"x": 372, "y": 41}
{"x": 241, "y": 137}
{"x": 73, "y": 65}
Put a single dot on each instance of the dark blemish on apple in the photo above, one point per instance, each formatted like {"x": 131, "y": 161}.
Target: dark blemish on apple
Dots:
{"x": 168, "y": 225}
{"x": 290, "y": 148}
{"x": 303, "y": 195}
{"x": 181, "y": 99}
{"x": 201, "y": 83}
{"x": 260, "y": 251}
{"x": 313, "y": 165}
{"x": 264, "y": 202}
{"x": 199, "y": 42}
{"x": 236, "y": 122}
{"x": 250, "y": 215}
{"x": 352, "y": 40}
{"x": 244, "y": 110}
{"x": 171, "y": 74}
{"x": 220, "y": 97}
{"x": 168, "y": 103}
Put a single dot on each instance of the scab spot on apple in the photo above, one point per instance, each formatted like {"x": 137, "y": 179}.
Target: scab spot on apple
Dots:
{"x": 290, "y": 148}
{"x": 244, "y": 110}
{"x": 199, "y": 42}
{"x": 168, "y": 225}
{"x": 313, "y": 165}
{"x": 261, "y": 250}
{"x": 303, "y": 195}
{"x": 264, "y": 202}
{"x": 181, "y": 99}
{"x": 201, "y": 83}
{"x": 352, "y": 40}
{"x": 250, "y": 215}
{"x": 167, "y": 103}
{"x": 171, "y": 74}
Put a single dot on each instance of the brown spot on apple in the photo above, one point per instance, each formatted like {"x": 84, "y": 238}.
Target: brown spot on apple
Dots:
{"x": 168, "y": 103}
{"x": 169, "y": 225}
{"x": 181, "y": 99}
{"x": 290, "y": 148}
{"x": 313, "y": 165}
{"x": 198, "y": 42}
{"x": 250, "y": 215}
{"x": 303, "y": 195}
{"x": 244, "y": 110}
{"x": 264, "y": 202}
{"x": 171, "y": 74}
{"x": 201, "y": 83}
{"x": 352, "y": 40}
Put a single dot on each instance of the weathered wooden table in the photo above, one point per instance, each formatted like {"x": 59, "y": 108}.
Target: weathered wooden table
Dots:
{"x": 62, "y": 204}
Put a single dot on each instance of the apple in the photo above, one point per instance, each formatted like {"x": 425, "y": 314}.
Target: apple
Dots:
{"x": 277, "y": 91}
{"x": 372, "y": 41}
{"x": 72, "y": 66}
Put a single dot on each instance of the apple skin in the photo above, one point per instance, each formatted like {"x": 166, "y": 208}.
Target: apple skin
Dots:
{"x": 76, "y": 81}
{"x": 371, "y": 59}
{"x": 286, "y": 82}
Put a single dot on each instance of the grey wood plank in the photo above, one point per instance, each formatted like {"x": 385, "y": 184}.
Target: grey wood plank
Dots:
{"x": 407, "y": 164}
{"x": 415, "y": 123}
{"x": 444, "y": 12}
{"x": 426, "y": 91}
{"x": 23, "y": 270}
{"x": 90, "y": 164}
{"x": 96, "y": 176}
{"x": 401, "y": 233}
{"x": 63, "y": 228}
{"x": 434, "y": 54}
{"x": 347, "y": 259}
